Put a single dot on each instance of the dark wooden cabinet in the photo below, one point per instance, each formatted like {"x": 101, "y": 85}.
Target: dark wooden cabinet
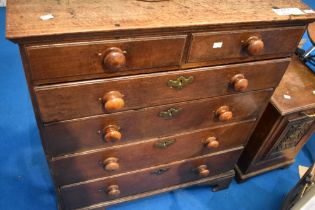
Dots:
{"x": 134, "y": 98}
{"x": 286, "y": 125}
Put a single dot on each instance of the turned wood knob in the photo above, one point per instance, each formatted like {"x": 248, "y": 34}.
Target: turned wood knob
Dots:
{"x": 239, "y": 82}
{"x": 114, "y": 59}
{"x": 224, "y": 113}
{"x": 254, "y": 45}
{"x": 113, "y": 100}
{"x": 203, "y": 171}
{"x": 111, "y": 164}
{"x": 111, "y": 133}
{"x": 113, "y": 190}
{"x": 212, "y": 142}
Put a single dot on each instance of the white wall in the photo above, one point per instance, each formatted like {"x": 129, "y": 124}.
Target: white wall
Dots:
{"x": 2, "y": 3}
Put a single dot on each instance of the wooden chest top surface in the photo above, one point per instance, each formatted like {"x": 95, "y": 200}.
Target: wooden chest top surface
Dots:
{"x": 78, "y": 16}
{"x": 296, "y": 90}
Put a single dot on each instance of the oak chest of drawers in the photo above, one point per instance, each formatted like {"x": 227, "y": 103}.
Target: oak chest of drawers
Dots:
{"x": 135, "y": 98}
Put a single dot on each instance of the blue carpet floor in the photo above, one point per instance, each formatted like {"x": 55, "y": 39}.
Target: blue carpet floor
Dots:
{"x": 25, "y": 183}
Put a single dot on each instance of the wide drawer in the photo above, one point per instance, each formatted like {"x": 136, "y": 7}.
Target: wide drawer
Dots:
{"x": 115, "y": 160}
{"x": 81, "y": 99}
{"x": 239, "y": 46}
{"x": 108, "y": 58}
{"x": 150, "y": 179}
{"x": 135, "y": 125}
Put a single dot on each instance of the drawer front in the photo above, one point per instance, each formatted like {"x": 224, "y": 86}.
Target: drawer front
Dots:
{"x": 103, "y": 58}
{"x": 68, "y": 101}
{"x": 147, "y": 180}
{"x": 223, "y": 47}
{"x": 107, "y": 162}
{"x": 81, "y": 134}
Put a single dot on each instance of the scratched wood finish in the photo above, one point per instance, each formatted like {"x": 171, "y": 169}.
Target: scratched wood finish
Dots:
{"x": 81, "y": 18}
{"x": 82, "y": 167}
{"x": 67, "y": 61}
{"x": 87, "y": 58}
{"x": 68, "y": 101}
{"x": 147, "y": 180}
{"x": 233, "y": 44}
{"x": 86, "y": 133}
{"x": 281, "y": 114}
{"x": 299, "y": 83}
{"x": 56, "y": 54}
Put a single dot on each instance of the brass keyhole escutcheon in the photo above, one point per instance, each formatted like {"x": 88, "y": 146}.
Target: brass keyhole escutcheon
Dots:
{"x": 180, "y": 82}
{"x": 164, "y": 143}
{"x": 170, "y": 113}
{"x": 160, "y": 171}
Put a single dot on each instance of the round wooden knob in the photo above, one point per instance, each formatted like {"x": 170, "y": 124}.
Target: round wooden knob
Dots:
{"x": 224, "y": 113}
{"x": 111, "y": 133}
{"x": 113, "y": 190}
{"x": 114, "y": 59}
{"x": 212, "y": 142}
{"x": 254, "y": 45}
{"x": 111, "y": 164}
{"x": 113, "y": 101}
{"x": 239, "y": 82}
{"x": 203, "y": 171}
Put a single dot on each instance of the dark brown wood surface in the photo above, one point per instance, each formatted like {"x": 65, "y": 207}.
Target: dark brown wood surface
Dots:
{"x": 217, "y": 182}
{"x": 285, "y": 126}
{"x": 89, "y": 165}
{"x": 72, "y": 59}
{"x": 264, "y": 129}
{"x": 68, "y": 61}
{"x": 234, "y": 43}
{"x": 73, "y": 100}
{"x": 147, "y": 180}
{"x": 79, "y": 18}
{"x": 86, "y": 133}
{"x": 298, "y": 84}
{"x": 119, "y": 38}
{"x": 269, "y": 155}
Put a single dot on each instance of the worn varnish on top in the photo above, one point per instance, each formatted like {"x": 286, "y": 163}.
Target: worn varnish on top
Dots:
{"x": 296, "y": 91}
{"x": 78, "y": 16}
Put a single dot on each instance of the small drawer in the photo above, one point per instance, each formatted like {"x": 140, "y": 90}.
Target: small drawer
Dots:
{"x": 101, "y": 131}
{"x": 106, "y": 189}
{"x": 121, "y": 159}
{"x": 240, "y": 46}
{"x": 82, "y": 99}
{"x": 99, "y": 59}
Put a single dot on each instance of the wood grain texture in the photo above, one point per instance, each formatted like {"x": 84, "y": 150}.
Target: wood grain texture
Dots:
{"x": 63, "y": 54}
{"x": 267, "y": 157}
{"x": 81, "y": 167}
{"x": 86, "y": 133}
{"x": 82, "y": 99}
{"x": 85, "y": 17}
{"x": 85, "y": 194}
{"x": 86, "y": 58}
{"x": 67, "y": 61}
{"x": 264, "y": 129}
{"x": 218, "y": 181}
{"x": 234, "y": 43}
{"x": 299, "y": 83}
{"x": 284, "y": 127}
